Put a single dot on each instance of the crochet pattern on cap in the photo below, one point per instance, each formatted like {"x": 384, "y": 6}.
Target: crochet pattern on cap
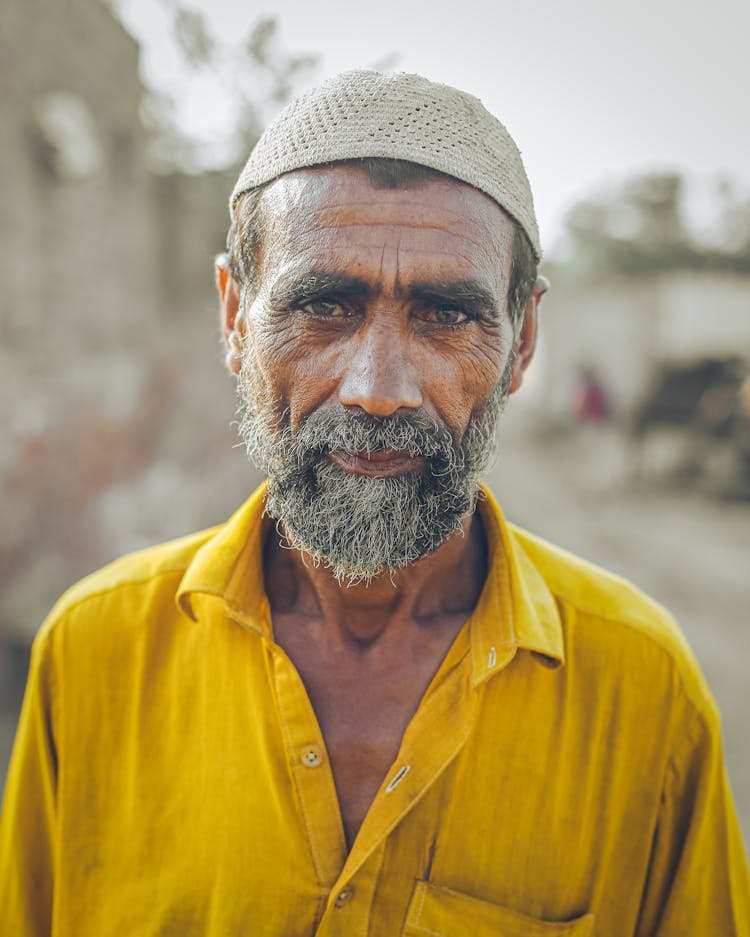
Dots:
{"x": 365, "y": 113}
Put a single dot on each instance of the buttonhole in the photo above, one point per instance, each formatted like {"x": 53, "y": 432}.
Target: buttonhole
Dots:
{"x": 397, "y": 778}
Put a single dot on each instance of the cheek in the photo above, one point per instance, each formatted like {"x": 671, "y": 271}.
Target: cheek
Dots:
{"x": 462, "y": 377}
{"x": 298, "y": 372}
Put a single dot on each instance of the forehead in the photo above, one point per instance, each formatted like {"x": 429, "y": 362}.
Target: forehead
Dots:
{"x": 337, "y": 216}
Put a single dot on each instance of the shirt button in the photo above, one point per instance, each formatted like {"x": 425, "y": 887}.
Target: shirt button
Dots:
{"x": 344, "y": 896}
{"x": 311, "y": 756}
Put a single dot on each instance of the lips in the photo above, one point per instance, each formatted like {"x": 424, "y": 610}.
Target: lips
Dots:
{"x": 382, "y": 463}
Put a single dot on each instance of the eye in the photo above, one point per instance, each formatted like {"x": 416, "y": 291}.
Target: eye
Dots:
{"x": 448, "y": 316}
{"x": 323, "y": 309}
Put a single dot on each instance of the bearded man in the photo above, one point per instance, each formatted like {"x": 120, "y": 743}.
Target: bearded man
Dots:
{"x": 367, "y": 704}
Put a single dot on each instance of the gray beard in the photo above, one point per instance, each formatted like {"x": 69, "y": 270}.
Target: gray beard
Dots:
{"x": 357, "y": 526}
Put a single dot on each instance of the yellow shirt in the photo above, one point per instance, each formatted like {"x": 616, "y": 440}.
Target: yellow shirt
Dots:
{"x": 170, "y": 778}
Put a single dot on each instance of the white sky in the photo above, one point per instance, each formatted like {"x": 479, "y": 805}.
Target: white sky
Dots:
{"x": 590, "y": 89}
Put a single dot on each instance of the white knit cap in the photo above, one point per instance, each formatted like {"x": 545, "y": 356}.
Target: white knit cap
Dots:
{"x": 365, "y": 113}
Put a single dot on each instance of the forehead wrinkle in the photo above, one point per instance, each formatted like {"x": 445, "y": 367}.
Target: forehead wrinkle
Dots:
{"x": 346, "y": 213}
{"x": 382, "y": 262}
{"x": 333, "y": 185}
{"x": 398, "y": 288}
{"x": 296, "y": 242}
{"x": 471, "y": 227}
{"x": 476, "y": 235}
{"x": 488, "y": 246}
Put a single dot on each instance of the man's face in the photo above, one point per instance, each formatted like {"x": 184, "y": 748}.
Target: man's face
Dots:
{"x": 377, "y": 349}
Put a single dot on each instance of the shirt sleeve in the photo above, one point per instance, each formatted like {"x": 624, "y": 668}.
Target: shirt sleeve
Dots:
{"x": 27, "y": 822}
{"x": 698, "y": 880}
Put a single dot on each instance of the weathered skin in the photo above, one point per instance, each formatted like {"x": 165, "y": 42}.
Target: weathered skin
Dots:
{"x": 367, "y": 653}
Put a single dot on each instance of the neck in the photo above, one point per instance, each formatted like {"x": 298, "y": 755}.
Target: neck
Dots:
{"x": 442, "y": 586}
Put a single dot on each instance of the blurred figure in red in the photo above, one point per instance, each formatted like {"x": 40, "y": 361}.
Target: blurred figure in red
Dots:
{"x": 591, "y": 404}
{"x": 599, "y": 444}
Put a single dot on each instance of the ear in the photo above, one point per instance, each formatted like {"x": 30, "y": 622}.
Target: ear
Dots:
{"x": 525, "y": 344}
{"x": 232, "y": 323}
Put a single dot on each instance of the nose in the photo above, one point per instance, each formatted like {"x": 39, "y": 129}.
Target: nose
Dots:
{"x": 380, "y": 377}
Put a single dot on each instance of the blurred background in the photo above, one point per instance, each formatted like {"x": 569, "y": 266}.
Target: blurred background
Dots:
{"x": 124, "y": 124}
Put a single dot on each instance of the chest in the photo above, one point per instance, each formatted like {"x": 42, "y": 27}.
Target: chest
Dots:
{"x": 363, "y": 722}
{"x": 363, "y": 705}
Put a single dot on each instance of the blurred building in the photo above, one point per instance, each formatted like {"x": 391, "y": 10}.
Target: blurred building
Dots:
{"x": 74, "y": 195}
{"x": 113, "y": 400}
{"x": 628, "y": 328}
{"x": 671, "y": 353}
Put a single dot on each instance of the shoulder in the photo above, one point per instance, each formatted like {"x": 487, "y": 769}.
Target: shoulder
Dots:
{"x": 613, "y": 628}
{"x": 125, "y": 589}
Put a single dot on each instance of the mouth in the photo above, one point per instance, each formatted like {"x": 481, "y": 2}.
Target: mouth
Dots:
{"x": 383, "y": 463}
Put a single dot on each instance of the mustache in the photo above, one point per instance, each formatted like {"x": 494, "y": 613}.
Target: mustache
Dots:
{"x": 353, "y": 432}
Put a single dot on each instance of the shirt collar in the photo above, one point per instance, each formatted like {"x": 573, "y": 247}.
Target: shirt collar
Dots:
{"x": 229, "y": 567}
{"x": 515, "y": 609}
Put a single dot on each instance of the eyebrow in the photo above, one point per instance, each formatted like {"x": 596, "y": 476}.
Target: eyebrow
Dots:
{"x": 469, "y": 295}
{"x": 466, "y": 294}
{"x": 316, "y": 284}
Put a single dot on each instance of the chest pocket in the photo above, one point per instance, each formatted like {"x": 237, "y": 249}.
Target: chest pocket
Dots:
{"x": 439, "y": 912}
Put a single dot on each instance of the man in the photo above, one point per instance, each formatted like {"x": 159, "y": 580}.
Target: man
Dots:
{"x": 362, "y": 706}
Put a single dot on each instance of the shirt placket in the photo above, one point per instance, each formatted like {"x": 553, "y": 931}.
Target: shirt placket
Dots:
{"x": 433, "y": 739}
{"x": 311, "y": 771}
